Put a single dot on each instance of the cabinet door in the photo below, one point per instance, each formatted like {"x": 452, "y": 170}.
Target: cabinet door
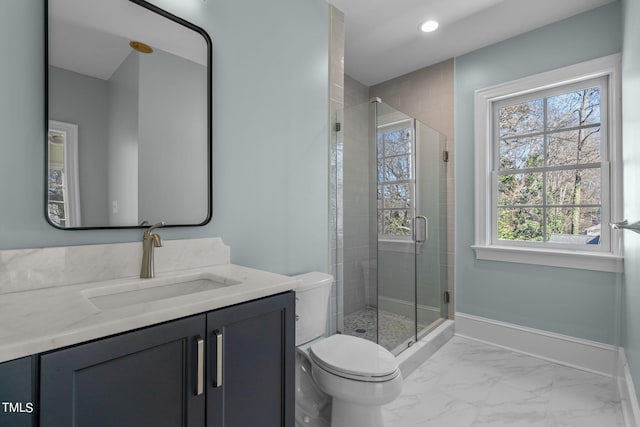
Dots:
{"x": 142, "y": 378}
{"x": 256, "y": 388}
{"x": 17, "y": 392}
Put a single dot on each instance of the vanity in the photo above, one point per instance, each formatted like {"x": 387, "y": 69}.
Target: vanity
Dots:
{"x": 204, "y": 343}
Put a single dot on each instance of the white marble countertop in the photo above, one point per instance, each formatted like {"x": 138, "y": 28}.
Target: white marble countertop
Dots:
{"x": 34, "y": 321}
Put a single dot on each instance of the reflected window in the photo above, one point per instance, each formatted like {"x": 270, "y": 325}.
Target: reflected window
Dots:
{"x": 396, "y": 179}
{"x": 63, "y": 199}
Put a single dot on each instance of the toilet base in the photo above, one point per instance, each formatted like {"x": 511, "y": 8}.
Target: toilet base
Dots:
{"x": 347, "y": 414}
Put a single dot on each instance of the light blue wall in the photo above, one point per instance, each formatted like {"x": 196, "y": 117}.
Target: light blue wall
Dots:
{"x": 172, "y": 126}
{"x": 631, "y": 153}
{"x": 270, "y": 137}
{"x": 122, "y": 159}
{"x": 83, "y": 100}
{"x": 579, "y": 303}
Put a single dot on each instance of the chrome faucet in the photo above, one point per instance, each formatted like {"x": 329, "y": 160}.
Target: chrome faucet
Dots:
{"x": 149, "y": 241}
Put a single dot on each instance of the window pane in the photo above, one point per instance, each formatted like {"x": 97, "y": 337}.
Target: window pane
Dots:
{"x": 520, "y": 224}
{"x": 394, "y": 169}
{"x": 524, "y": 118}
{"x": 574, "y": 147}
{"x": 520, "y": 189}
{"x": 574, "y": 225}
{"x": 396, "y": 222}
{"x": 380, "y": 145}
{"x": 397, "y": 196}
{"x": 573, "y": 109}
{"x": 574, "y": 187}
{"x": 520, "y": 153}
{"x": 397, "y": 142}
{"x": 56, "y": 213}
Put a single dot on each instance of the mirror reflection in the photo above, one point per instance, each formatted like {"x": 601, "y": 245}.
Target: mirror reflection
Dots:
{"x": 129, "y": 122}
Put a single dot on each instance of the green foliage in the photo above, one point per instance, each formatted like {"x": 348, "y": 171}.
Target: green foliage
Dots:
{"x": 561, "y": 132}
{"x": 520, "y": 224}
{"x": 397, "y": 225}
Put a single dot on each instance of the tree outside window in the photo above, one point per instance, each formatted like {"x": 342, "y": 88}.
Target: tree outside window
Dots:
{"x": 395, "y": 179}
{"x": 549, "y": 168}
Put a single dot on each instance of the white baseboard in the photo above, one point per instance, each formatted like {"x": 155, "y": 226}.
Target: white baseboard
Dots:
{"x": 575, "y": 352}
{"x": 628, "y": 397}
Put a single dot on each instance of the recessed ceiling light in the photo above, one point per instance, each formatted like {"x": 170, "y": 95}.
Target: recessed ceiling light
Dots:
{"x": 429, "y": 26}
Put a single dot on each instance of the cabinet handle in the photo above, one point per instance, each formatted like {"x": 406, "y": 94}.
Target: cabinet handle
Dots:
{"x": 200, "y": 363}
{"x": 218, "y": 381}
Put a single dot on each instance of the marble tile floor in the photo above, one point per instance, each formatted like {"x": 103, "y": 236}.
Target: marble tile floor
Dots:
{"x": 472, "y": 384}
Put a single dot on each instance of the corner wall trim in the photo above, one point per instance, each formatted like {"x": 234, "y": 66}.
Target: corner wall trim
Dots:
{"x": 574, "y": 352}
{"x": 628, "y": 397}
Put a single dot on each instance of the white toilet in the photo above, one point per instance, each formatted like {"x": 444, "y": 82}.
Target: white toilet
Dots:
{"x": 350, "y": 375}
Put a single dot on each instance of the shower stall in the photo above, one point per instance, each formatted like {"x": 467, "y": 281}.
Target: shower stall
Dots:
{"x": 390, "y": 195}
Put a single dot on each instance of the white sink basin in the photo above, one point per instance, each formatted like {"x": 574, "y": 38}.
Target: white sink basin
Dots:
{"x": 140, "y": 291}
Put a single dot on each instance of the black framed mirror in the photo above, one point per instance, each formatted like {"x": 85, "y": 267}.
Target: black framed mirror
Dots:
{"x": 128, "y": 116}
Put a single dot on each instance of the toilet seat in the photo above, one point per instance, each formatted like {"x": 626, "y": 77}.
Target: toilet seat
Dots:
{"x": 354, "y": 358}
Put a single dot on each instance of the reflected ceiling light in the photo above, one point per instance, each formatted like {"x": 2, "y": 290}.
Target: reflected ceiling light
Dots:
{"x": 429, "y": 26}
{"x": 140, "y": 47}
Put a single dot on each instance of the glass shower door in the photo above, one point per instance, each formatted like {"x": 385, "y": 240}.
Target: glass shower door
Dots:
{"x": 392, "y": 200}
{"x": 430, "y": 229}
{"x": 396, "y": 202}
{"x": 412, "y": 210}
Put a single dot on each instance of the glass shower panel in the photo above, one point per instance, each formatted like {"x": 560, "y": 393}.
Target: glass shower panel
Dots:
{"x": 431, "y": 228}
{"x": 393, "y": 223}
{"x": 395, "y": 194}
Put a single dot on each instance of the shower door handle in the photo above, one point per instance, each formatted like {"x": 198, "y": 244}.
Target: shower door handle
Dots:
{"x": 421, "y": 235}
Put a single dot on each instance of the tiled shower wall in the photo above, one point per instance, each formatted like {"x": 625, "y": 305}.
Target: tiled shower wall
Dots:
{"x": 359, "y": 214}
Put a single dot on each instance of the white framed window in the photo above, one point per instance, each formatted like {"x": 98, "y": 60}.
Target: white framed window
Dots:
{"x": 547, "y": 167}
{"x": 63, "y": 192}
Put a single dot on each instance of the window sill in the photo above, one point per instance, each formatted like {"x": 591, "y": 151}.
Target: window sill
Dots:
{"x": 551, "y": 257}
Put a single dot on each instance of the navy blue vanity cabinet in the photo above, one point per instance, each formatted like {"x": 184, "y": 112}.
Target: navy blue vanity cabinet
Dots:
{"x": 232, "y": 367}
{"x": 251, "y": 351}
{"x": 18, "y": 392}
{"x": 147, "y": 377}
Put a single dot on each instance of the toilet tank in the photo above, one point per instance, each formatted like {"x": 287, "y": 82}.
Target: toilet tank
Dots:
{"x": 312, "y": 306}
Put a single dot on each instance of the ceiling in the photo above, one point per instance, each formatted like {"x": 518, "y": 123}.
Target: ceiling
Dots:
{"x": 91, "y": 37}
{"x": 382, "y": 40}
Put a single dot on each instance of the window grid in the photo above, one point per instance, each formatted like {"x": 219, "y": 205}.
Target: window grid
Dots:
{"x": 382, "y": 160}
{"x": 544, "y": 170}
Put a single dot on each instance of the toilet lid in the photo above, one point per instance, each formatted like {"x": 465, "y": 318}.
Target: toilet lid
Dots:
{"x": 354, "y": 358}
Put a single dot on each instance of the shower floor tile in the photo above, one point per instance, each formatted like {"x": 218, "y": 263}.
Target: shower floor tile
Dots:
{"x": 471, "y": 384}
{"x": 395, "y": 329}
